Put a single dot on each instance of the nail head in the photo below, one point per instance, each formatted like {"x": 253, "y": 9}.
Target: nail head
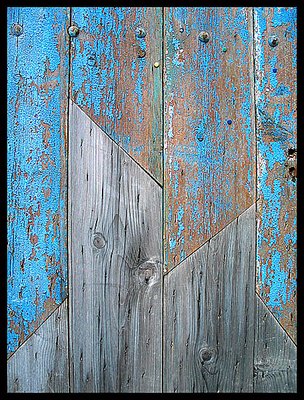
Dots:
{"x": 140, "y": 32}
{"x": 17, "y": 30}
{"x": 73, "y": 30}
{"x": 199, "y": 137}
{"x": 273, "y": 41}
{"x": 204, "y": 36}
{"x": 141, "y": 53}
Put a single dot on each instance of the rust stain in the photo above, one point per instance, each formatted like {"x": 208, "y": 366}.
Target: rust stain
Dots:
{"x": 46, "y": 192}
{"x": 46, "y": 134}
{"x": 34, "y": 239}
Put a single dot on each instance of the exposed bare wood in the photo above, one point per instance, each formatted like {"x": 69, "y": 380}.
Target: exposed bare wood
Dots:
{"x": 41, "y": 365}
{"x": 275, "y": 356}
{"x": 209, "y": 318}
{"x": 115, "y": 278}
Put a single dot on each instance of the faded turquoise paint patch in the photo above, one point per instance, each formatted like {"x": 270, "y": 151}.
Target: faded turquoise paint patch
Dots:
{"x": 36, "y": 168}
{"x": 275, "y": 91}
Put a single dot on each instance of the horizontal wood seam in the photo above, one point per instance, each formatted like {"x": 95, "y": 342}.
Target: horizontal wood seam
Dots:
{"x": 117, "y": 144}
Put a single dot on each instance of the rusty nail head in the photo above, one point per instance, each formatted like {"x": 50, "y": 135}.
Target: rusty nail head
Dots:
{"x": 73, "y": 30}
{"x": 141, "y": 53}
{"x": 204, "y": 37}
{"x": 273, "y": 41}
{"x": 17, "y": 30}
{"x": 140, "y": 32}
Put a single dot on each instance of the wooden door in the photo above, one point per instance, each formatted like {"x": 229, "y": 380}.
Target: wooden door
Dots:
{"x": 152, "y": 199}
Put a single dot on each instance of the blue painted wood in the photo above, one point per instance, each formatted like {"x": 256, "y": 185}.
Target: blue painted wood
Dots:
{"x": 114, "y": 80}
{"x": 276, "y": 91}
{"x": 209, "y": 139}
{"x": 36, "y": 176}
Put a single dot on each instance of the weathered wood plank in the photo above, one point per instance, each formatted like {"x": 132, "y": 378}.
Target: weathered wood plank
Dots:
{"x": 115, "y": 83}
{"x": 275, "y": 355}
{"x": 41, "y": 365}
{"x": 276, "y": 92}
{"x": 115, "y": 279}
{"x": 208, "y": 347}
{"x": 36, "y": 197}
{"x": 209, "y": 125}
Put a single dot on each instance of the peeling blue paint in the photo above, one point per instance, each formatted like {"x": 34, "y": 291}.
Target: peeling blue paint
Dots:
{"x": 36, "y": 179}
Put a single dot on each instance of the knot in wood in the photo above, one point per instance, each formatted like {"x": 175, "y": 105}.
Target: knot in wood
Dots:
{"x": 98, "y": 240}
{"x": 147, "y": 273}
{"x": 206, "y": 354}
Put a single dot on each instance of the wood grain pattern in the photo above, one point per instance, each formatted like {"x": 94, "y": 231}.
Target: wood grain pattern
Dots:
{"x": 40, "y": 365}
{"x": 209, "y": 163}
{"x": 115, "y": 280}
{"x": 276, "y": 93}
{"x": 119, "y": 90}
{"x": 36, "y": 173}
{"x": 275, "y": 356}
{"x": 209, "y": 343}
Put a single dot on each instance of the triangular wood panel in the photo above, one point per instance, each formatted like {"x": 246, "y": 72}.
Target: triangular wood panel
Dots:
{"x": 41, "y": 364}
{"x": 209, "y": 318}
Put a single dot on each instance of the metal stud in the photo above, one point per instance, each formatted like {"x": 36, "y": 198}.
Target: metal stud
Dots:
{"x": 156, "y": 64}
{"x": 17, "y": 30}
{"x": 141, "y": 53}
{"x": 140, "y": 32}
{"x": 73, "y": 30}
{"x": 204, "y": 37}
{"x": 273, "y": 41}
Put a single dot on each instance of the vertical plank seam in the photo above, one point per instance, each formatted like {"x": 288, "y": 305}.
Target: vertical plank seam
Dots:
{"x": 256, "y": 195}
{"x": 163, "y": 238}
{"x": 68, "y": 207}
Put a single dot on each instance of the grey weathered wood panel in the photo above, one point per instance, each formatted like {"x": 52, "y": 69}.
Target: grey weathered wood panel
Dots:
{"x": 115, "y": 265}
{"x": 275, "y": 355}
{"x": 208, "y": 346}
{"x": 40, "y": 365}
